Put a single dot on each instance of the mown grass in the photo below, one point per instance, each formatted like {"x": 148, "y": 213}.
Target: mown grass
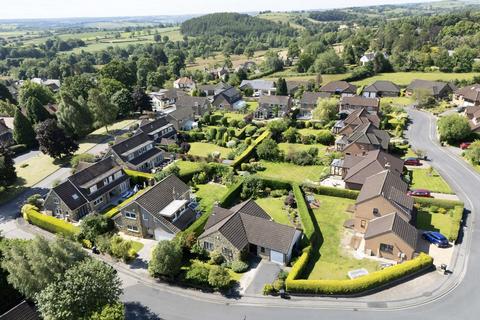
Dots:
{"x": 203, "y": 149}
{"x": 430, "y": 180}
{"x": 404, "y": 78}
{"x": 275, "y": 208}
{"x": 208, "y": 194}
{"x": 290, "y": 172}
{"x": 298, "y": 147}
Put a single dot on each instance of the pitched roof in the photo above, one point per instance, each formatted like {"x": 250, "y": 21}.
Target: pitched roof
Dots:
{"x": 374, "y": 162}
{"x": 360, "y": 101}
{"x": 189, "y": 101}
{"x": 382, "y": 86}
{"x": 162, "y": 194}
{"x": 391, "y": 187}
{"x": 258, "y": 84}
{"x": 471, "y": 93}
{"x": 185, "y": 80}
{"x": 182, "y": 113}
{"x": 471, "y": 110}
{"x": 280, "y": 100}
{"x": 157, "y": 125}
{"x": 369, "y": 134}
{"x": 248, "y": 223}
{"x": 433, "y": 87}
{"x": 294, "y": 84}
{"x": 22, "y": 311}
{"x": 312, "y": 97}
{"x": 394, "y": 223}
{"x": 361, "y": 116}
{"x": 170, "y": 94}
{"x": 337, "y": 87}
{"x": 217, "y": 88}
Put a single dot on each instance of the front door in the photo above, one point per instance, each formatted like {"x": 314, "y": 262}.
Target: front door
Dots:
{"x": 253, "y": 249}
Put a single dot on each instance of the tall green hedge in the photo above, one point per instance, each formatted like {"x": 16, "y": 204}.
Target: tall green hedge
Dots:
{"x": 331, "y": 191}
{"x": 358, "y": 285}
{"x": 275, "y": 184}
{"x": 304, "y": 212}
{"x": 457, "y": 216}
{"x": 138, "y": 177}
{"x": 52, "y": 224}
{"x": 447, "y": 204}
{"x": 232, "y": 194}
{"x": 247, "y": 154}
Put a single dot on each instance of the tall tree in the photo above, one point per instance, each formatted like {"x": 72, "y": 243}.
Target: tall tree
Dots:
{"x": 120, "y": 71}
{"x": 104, "y": 112}
{"x": 5, "y": 94}
{"x": 166, "y": 259}
{"x": 141, "y": 101}
{"x": 110, "y": 86}
{"x": 77, "y": 85}
{"x": 32, "y": 89}
{"x": 326, "y": 110}
{"x": 23, "y": 132}
{"x": 84, "y": 289}
{"x": 33, "y": 265}
{"x": 35, "y": 111}
{"x": 124, "y": 102}
{"x": 7, "y": 167}
{"x": 53, "y": 140}
{"x": 74, "y": 116}
{"x": 282, "y": 89}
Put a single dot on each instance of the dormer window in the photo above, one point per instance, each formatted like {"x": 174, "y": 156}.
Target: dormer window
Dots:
{"x": 93, "y": 189}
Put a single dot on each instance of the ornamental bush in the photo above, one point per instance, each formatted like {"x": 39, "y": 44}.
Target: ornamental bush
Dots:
{"x": 198, "y": 274}
{"x": 219, "y": 278}
{"x": 239, "y": 266}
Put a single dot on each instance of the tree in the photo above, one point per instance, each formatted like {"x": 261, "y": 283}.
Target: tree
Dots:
{"x": 329, "y": 62}
{"x": 110, "y": 86}
{"x": 85, "y": 289}
{"x": 94, "y": 225}
{"x": 473, "y": 152}
{"x": 141, "y": 100}
{"x": 5, "y": 94}
{"x": 293, "y": 50}
{"x": 7, "y": 167}
{"x": 110, "y": 312}
{"x": 268, "y": 150}
{"x": 348, "y": 55}
{"x": 290, "y": 135}
{"x": 120, "y": 71}
{"x": 166, "y": 259}
{"x": 219, "y": 278}
{"x": 454, "y": 128}
{"x": 145, "y": 65}
{"x": 53, "y": 140}
{"x": 7, "y": 108}
{"x": 282, "y": 89}
{"x": 305, "y": 61}
{"x": 33, "y": 265}
{"x": 77, "y": 86}
{"x": 35, "y": 111}
{"x": 74, "y": 116}
{"x": 277, "y": 127}
{"x": 326, "y": 110}
{"x": 124, "y": 102}
{"x": 103, "y": 111}
{"x": 23, "y": 132}
{"x": 32, "y": 89}
{"x": 272, "y": 62}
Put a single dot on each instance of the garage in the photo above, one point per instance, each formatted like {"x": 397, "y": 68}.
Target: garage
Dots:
{"x": 161, "y": 234}
{"x": 277, "y": 257}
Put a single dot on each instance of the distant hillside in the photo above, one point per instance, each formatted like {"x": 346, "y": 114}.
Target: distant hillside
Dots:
{"x": 232, "y": 24}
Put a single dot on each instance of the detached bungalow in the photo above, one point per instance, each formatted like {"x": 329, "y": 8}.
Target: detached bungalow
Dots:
{"x": 381, "y": 88}
{"x": 436, "y": 89}
{"x": 249, "y": 229}
{"x": 160, "y": 212}
{"x": 229, "y": 99}
{"x": 259, "y": 87}
{"x": 341, "y": 88}
{"x": 308, "y": 102}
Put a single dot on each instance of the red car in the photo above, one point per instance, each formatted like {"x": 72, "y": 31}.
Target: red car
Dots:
{"x": 412, "y": 162}
{"x": 465, "y": 145}
{"x": 420, "y": 193}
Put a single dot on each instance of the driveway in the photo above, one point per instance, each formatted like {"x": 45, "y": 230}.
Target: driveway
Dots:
{"x": 265, "y": 272}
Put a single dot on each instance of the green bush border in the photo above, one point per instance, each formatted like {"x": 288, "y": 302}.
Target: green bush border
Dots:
{"x": 30, "y": 213}
{"x": 457, "y": 216}
{"x": 304, "y": 212}
{"x": 358, "y": 285}
{"x": 245, "y": 155}
{"x": 447, "y": 204}
{"x": 331, "y": 191}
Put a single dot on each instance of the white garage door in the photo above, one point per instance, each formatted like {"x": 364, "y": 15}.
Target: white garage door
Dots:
{"x": 161, "y": 234}
{"x": 276, "y": 257}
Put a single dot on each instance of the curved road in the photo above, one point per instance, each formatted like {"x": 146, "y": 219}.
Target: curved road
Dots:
{"x": 455, "y": 297}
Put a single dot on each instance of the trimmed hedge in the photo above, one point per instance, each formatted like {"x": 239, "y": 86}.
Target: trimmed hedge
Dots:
{"x": 331, "y": 191}
{"x": 298, "y": 267}
{"x": 232, "y": 194}
{"x": 358, "y": 285}
{"x": 275, "y": 184}
{"x": 457, "y": 216}
{"x": 304, "y": 213}
{"x": 52, "y": 224}
{"x": 447, "y": 204}
{"x": 251, "y": 148}
{"x": 138, "y": 177}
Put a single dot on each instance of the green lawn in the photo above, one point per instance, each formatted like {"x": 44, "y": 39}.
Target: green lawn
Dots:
{"x": 275, "y": 209}
{"x": 332, "y": 262}
{"x": 291, "y": 172}
{"x": 440, "y": 222}
{"x": 291, "y": 74}
{"x": 208, "y": 194}
{"x": 187, "y": 167}
{"x": 397, "y": 101}
{"x": 308, "y": 131}
{"x": 298, "y": 147}
{"x": 137, "y": 246}
{"x": 35, "y": 169}
{"x": 404, "y": 78}
{"x": 203, "y": 149}
{"x": 433, "y": 182}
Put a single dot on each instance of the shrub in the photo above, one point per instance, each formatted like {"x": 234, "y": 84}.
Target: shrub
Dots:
{"x": 120, "y": 248}
{"x": 268, "y": 289}
{"x": 282, "y": 275}
{"x": 94, "y": 225}
{"x": 35, "y": 200}
{"x": 278, "y": 193}
{"x": 166, "y": 259}
{"x": 330, "y": 191}
{"x": 268, "y": 150}
{"x": 219, "y": 278}
{"x": 325, "y": 137}
{"x": 198, "y": 251}
{"x": 447, "y": 204}
{"x": 346, "y": 287}
{"x": 48, "y": 223}
{"x": 279, "y": 284}
{"x": 239, "y": 266}
{"x": 247, "y": 154}
{"x": 198, "y": 274}
{"x": 216, "y": 258}
{"x": 457, "y": 216}
{"x": 18, "y": 148}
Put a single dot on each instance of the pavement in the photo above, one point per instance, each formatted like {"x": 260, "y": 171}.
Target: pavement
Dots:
{"x": 432, "y": 295}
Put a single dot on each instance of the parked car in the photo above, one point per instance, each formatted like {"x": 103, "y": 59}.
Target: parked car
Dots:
{"x": 465, "y": 145}
{"x": 420, "y": 193}
{"x": 412, "y": 162}
{"x": 436, "y": 238}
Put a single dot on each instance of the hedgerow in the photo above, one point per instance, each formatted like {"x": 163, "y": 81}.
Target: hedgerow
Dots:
{"x": 49, "y": 223}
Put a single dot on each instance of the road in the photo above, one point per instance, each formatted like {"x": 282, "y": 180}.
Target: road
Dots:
{"x": 455, "y": 299}
{"x": 452, "y": 297}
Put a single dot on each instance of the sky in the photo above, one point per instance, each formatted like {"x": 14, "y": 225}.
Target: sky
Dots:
{"x": 31, "y": 9}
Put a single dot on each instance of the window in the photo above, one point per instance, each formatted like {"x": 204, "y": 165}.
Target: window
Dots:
{"x": 145, "y": 216}
{"x": 262, "y": 250}
{"x": 130, "y": 215}
{"x": 118, "y": 174}
{"x": 132, "y": 228}
{"x": 387, "y": 248}
{"x": 363, "y": 223}
{"x": 97, "y": 201}
{"x": 208, "y": 246}
{"x": 56, "y": 201}
{"x": 375, "y": 212}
